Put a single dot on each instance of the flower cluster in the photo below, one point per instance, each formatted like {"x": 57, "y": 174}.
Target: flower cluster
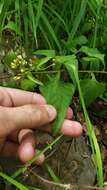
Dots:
{"x": 19, "y": 62}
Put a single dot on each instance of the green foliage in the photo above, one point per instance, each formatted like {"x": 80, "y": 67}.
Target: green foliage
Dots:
{"x": 34, "y": 71}
{"x": 91, "y": 89}
{"x": 14, "y": 182}
{"x": 47, "y": 53}
{"x": 25, "y": 167}
{"x": 54, "y": 177}
{"x": 48, "y": 24}
{"x": 79, "y": 40}
{"x": 72, "y": 68}
{"x": 77, "y": 31}
{"x": 77, "y": 20}
{"x": 58, "y": 94}
{"x": 92, "y": 53}
{"x": 27, "y": 84}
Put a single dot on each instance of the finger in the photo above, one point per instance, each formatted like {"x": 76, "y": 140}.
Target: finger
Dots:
{"x": 23, "y": 136}
{"x": 26, "y": 134}
{"x": 69, "y": 128}
{"x": 15, "y": 97}
{"x": 13, "y": 136}
{"x": 9, "y": 149}
{"x": 28, "y": 116}
{"x": 40, "y": 159}
{"x": 69, "y": 113}
{"x": 26, "y": 149}
{"x": 68, "y": 116}
{"x": 12, "y": 149}
{"x": 27, "y": 143}
{"x": 26, "y": 152}
{"x": 2, "y": 141}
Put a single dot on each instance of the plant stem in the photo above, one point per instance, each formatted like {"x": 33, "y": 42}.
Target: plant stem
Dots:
{"x": 25, "y": 167}
{"x": 92, "y": 137}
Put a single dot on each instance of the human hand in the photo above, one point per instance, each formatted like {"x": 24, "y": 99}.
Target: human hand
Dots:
{"x": 20, "y": 113}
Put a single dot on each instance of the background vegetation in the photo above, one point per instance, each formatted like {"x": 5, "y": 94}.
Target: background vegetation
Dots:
{"x": 66, "y": 40}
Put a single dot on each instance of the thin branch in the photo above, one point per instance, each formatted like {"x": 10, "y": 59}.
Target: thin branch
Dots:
{"x": 65, "y": 186}
{"x": 30, "y": 162}
{"x": 8, "y": 75}
{"x": 90, "y": 71}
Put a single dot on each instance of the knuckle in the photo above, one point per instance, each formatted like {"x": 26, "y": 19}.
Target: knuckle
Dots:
{"x": 4, "y": 120}
{"x": 38, "y": 114}
{"x": 1, "y": 96}
{"x": 3, "y": 113}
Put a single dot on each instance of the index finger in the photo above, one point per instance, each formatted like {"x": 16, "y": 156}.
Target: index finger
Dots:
{"x": 15, "y": 97}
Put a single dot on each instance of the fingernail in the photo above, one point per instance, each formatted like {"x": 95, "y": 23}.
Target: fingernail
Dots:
{"x": 51, "y": 112}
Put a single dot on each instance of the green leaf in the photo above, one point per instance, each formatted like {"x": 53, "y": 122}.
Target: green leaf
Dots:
{"x": 58, "y": 94}
{"x": 45, "y": 52}
{"x": 69, "y": 61}
{"x": 33, "y": 79}
{"x": 79, "y": 40}
{"x": 92, "y": 52}
{"x": 91, "y": 89}
{"x": 71, "y": 64}
{"x": 41, "y": 62}
{"x": 27, "y": 84}
{"x": 89, "y": 59}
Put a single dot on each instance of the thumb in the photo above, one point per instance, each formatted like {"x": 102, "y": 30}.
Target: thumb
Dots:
{"x": 27, "y": 116}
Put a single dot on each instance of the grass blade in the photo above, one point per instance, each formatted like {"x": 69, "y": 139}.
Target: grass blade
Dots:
{"x": 59, "y": 18}
{"x": 5, "y": 7}
{"x": 24, "y": 168}
{"x": 32, "y": 18}
{"x": 50, "y": 30}
{"x": 93, "y": 140}
{"x": 92, "y": 137}
{"x": 13, "y": 181}
{"x": 45, "y": 35}
{"x": 96, "y": 26}
{"x": 51, "y": 173}
{"x": 71, "y": 64}
{"x": 77, "y": 21}
{"x": 17, "y": 15}
{"x": 38, "y": 15}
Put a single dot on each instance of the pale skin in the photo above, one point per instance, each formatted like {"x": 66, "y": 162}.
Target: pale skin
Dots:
{"x": 23, "y": 112}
